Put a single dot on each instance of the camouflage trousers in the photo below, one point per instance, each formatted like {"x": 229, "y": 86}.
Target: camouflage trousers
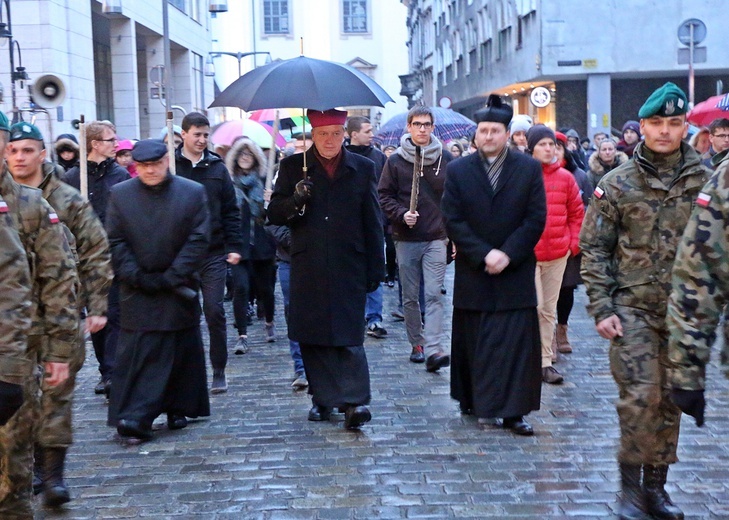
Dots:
{"x": 55, "y": 429}
{"x": 649, "y": 421}
{"x": 16, "y": 458}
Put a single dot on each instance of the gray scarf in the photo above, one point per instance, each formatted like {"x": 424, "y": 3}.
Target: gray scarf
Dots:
{"x": 429, "y": 153}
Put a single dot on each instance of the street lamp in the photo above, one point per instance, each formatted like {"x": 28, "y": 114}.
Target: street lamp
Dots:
{"x": 218, "y": 6}
{"x": 16, "y": 74}
{"x": 210, "y": 66}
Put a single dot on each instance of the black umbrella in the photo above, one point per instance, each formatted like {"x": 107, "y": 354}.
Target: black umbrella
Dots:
{"x": 302, "y": 82}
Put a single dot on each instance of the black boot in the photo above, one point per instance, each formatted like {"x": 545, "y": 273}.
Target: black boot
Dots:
{"x": 37, "y": 470}
{"x": 657, "y": 501}
{"x": 630, "y": 506}
{"x": 56, "y": 492}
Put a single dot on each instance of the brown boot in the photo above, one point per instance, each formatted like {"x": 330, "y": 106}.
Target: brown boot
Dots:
{"x": 563, "y": 344}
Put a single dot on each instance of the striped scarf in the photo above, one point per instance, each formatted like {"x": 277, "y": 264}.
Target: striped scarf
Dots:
{"x": 493, "y": 170}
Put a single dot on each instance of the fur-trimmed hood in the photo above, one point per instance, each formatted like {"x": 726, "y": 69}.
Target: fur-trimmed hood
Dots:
{"x": 231, "y": 158}
{"x": 597, "y": 168}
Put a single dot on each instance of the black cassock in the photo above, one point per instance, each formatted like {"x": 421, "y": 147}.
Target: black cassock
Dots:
{"x": 161, "y": 232}
{"x": 336, "y": 250}
{"x": 496, "y": 354}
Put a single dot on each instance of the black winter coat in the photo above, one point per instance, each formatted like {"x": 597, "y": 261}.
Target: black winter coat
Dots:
{"x": 511, "y": 220}
{"x": 101, "y": 176}
{"x": 158, "y": 230}
{"x": 225, "y": 231}
{"x": 336, "y": 247}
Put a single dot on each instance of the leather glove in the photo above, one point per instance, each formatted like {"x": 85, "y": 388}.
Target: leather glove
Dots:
{"x": 690, "y": 402}
{"x": 152, "y": 282}
{"x": 11, "y": 399}
{"x": 303, "y": 192}
{"x": 372, "y": 286}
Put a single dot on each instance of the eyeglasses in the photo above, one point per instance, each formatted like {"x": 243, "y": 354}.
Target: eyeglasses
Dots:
{"x": 246, "y": 154}
{"x": 420, "y": 125}
{"x": 110, "y": 140}
{"x": 721, "y": 136}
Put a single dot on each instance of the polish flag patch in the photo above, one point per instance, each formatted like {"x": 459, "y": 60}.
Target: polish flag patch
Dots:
{"x": 598, "y": 193}
{"x": 703, "y": 200}
{"x": 3, "y": 206}
{"x": 53, "y": 218}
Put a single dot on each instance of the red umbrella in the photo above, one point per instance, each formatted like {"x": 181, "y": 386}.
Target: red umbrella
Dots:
{"x": 716, "y": 107}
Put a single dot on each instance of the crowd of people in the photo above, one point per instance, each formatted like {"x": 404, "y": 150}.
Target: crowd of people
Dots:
{"x": 524, "y": 212}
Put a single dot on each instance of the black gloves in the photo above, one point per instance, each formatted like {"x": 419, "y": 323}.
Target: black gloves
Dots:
{"x": 152, "y": 282}
{"x": 372, "y": 286}
{"x": 11, "y": 399}
{"x": 690, "y": 402}
{"x": 303, "y": 192}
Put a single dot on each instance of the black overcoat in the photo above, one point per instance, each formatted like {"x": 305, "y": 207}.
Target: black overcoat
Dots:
{"x": 166, "y": 230}
{"x": 478, "y": 220}
{"x": 336, "y": 247}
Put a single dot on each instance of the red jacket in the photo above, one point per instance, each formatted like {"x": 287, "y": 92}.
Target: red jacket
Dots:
{"x": 564, "y": 215}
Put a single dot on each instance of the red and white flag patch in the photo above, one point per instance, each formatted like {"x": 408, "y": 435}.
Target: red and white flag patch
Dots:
{"x": 703, "y": 200}
{"x": 3, "y": 206}
{"x": 53, "y": 218}
{"x": 598, "y": 193}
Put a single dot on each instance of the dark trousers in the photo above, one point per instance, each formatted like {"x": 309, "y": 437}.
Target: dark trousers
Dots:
{"x": 390, "y": 257}
{"x": 212, "y": 285}
{"x": 241, "y": 289}
{"x": 262, "y": 274}
{"x": 106, "y": 339}
{"x": 564, "y": 304}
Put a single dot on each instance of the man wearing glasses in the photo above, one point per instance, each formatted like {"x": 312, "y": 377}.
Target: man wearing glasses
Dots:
{"x": 103, "y": 173}
{"x": 719, "y": 139}
{"x": 420, "y": 235}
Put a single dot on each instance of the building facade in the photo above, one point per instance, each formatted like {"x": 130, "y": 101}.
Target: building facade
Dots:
{"x": 586, "y": 65}
{"x": 369, "y": 35}
{"x": 110, "y": 58}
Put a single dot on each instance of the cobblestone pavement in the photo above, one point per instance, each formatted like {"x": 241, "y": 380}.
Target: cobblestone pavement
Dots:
{"x": 257, "y": 457}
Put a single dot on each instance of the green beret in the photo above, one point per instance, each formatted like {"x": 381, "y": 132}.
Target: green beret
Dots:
{"x": 23, "y": 130}
{"x": 667, "y": 101}
{"x": 4, "y": 123}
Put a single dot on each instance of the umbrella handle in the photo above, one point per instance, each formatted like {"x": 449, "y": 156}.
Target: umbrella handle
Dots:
{"x": 416, "y": 182}
{"x": 171, "y": 143}
{"x": 83, "y": 160}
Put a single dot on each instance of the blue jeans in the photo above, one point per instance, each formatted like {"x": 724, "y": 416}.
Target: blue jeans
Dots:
{"x": 373, "y": 307}
{"x": 284, "y": 277}
{"x": 212, "y": 286}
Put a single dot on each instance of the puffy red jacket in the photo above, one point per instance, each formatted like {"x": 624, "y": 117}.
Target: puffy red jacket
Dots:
{"x": 564, "y": 215}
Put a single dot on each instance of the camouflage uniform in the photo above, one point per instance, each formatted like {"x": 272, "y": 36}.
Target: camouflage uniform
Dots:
{"x": 88, "y": 240}
{"x": 629, "y": 239}
{"x": 700, "y": 284}
{"x": 16, "y": 448}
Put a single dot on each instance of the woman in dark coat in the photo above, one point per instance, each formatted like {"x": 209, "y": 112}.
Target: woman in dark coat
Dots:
{"x": 605, "y": 160}
{"x": 257, "y": 268}
{"x": 336, "y": 258}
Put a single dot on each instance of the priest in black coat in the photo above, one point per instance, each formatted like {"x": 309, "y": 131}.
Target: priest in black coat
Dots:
{"x": 337, "y": 256}
{"x": 158, "y": 226}
{"x": 495, "y": 210}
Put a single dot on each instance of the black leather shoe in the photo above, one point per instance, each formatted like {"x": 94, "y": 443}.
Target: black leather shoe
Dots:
{"x": 100, "y": 386}
{"x": 319, "y": 413}
{"x": 132, "y": 428}
{"x": 356, "y": 416}
{"x": 519, "y": 426}
{"x": 176, "y": 422}
{"x": 465, "y": 409}
{"x": 437, "y": 361}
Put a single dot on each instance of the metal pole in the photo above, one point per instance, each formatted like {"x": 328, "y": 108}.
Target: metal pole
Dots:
{"x": 16, "y": 113}
{"x": 691, "y": 66}
{"x": 168, "y": 60}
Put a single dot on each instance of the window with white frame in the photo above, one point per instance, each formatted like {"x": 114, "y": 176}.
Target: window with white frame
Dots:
{"x": 276, "y": 16}
{"x": 354, "y": 16}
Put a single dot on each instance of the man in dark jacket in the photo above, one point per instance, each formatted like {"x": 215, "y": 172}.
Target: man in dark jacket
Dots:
{"x": 158, "y": 227}
{"x": 495, "y": 210}
{"x": 336, "y": 258}
{"x": 359, "y": 130}
{"x": 194, "y": 161}
{"x": 103, "y": 173}
{"x": 420, "y": 235}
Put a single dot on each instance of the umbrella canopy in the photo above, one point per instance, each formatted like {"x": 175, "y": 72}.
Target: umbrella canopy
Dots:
{"x": 704, "y": 113}
{"x": 302, "y": 82}
{"x": 448, "y": 125}
{"x": 259, "y": 133}
{"x": 289, "y": 118}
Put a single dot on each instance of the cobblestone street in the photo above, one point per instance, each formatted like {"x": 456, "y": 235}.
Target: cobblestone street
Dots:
{"x": 257, "y": 457}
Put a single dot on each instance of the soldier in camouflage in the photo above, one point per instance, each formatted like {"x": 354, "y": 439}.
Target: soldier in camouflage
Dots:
{"x": 16, "y": 371}
{"x": 700, "y": 290}
{"x": 25, "y": 158}
{"x": 53, "y": 337}
{"x": 629, "y": 239}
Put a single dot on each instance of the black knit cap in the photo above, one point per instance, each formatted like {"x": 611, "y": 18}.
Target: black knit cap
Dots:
{"x": 496, "y": 111}
{"x": 537, "y": 133}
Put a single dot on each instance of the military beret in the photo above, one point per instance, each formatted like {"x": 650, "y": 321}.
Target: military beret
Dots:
{"x": 496, "y": 111}
{"x": 4, "y": 123}
{"x": 23, "y": 130}
{"x": 149, "y": 150}
{"x": 667, "y": 101}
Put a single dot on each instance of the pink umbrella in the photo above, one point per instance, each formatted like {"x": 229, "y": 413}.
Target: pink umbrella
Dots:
{"x": 259, "y": 133}
{"x": 704, "y": 113}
